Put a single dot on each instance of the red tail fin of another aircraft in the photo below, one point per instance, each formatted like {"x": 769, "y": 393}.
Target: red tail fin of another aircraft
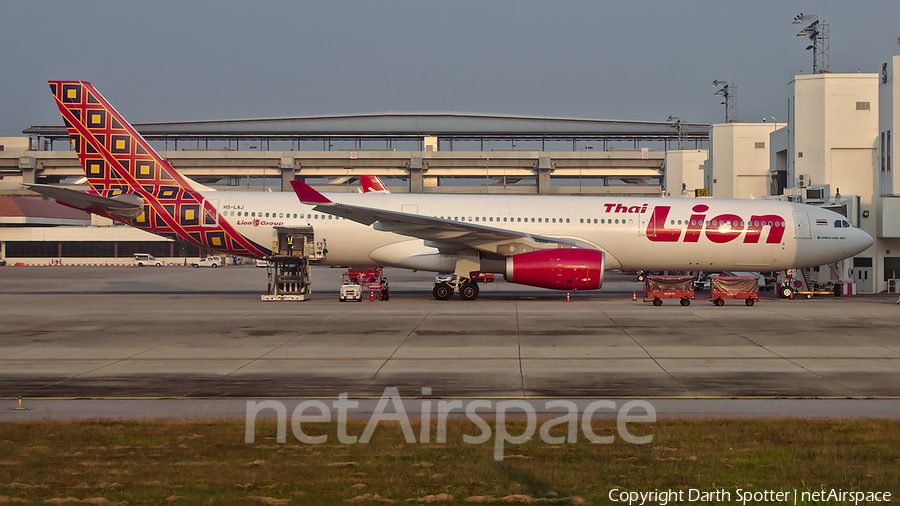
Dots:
{"x": 118, "y": 161}
{"x": 372, "y": 184}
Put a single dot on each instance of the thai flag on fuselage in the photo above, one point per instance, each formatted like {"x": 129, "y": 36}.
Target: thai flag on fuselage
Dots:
{"x": 822, "y": 222}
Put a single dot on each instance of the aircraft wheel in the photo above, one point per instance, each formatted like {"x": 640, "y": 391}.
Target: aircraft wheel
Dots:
{"x": 641, "y": 277}
{"x": 785, "y": 292}
{"x": 749, "y": 302}
{"x": 685, "y": 302}
{"x": 719, "y": 302}
{"x": 657, "y": 302}
{"x": 468, "y": 291}
{"x": 442, "y": 291}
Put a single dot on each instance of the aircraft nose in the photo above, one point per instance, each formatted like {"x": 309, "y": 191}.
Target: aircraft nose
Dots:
{"x": 861, "y": 240}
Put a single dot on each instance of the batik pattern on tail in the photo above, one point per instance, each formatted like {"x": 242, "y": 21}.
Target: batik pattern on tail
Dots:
{"x": 117, "y": 160}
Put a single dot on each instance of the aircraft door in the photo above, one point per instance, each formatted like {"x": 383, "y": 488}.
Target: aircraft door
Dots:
{"x": 802, "y": 230}
{"x": 210, "y": 213}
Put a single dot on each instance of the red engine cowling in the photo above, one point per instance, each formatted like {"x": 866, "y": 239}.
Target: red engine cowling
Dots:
{"x": 557, "y": 269}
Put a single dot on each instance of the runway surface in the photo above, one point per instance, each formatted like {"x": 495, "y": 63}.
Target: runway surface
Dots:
{"x": 204, "y": 333}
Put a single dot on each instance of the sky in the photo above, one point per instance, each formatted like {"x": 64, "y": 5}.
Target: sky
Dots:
{"x": 628, "y": 60}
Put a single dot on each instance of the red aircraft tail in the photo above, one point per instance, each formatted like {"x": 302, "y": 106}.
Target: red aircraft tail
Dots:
{"x": 372, "y": 184}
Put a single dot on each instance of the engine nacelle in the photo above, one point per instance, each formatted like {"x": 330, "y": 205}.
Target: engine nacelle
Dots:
{"x": 557, "y": 269}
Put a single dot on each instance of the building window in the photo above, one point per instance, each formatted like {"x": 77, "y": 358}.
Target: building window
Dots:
{"x": 862, "y": 106}
{"x": 760, "y": 145}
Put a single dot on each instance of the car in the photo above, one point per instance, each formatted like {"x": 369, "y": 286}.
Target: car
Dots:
{"x": 350, "y": 289}
{"x": 2, "y": 262}
{"x": 142, "y": 259}
{"x": 210, "y": 261}
{"x": 262, "y": 262}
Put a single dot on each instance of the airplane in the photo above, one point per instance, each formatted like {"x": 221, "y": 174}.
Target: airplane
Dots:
{"x": 554, "y": 242}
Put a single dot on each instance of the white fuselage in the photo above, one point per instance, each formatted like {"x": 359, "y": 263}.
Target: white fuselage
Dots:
{"x": 636, "y": 233}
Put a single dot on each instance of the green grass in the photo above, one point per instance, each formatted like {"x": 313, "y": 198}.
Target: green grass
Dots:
{"x": 207, "y": 462}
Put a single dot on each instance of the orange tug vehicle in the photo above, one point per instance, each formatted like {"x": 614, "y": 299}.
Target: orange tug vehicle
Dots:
{"x": 657, "y": 288}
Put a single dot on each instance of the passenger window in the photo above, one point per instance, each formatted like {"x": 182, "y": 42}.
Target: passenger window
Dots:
{"x": 567, "y": 220}
{"x": 595, "y": 221}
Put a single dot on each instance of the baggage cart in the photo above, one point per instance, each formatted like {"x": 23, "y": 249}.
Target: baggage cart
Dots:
{"x": 657, "y": 288}
{"x": 734, "y": 287}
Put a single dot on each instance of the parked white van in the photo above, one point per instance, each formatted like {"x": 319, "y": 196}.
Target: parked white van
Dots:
{"x": 142, "y": 259}
{"x": 210, "y": 261}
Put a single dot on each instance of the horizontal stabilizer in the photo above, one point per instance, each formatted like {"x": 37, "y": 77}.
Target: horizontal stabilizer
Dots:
{"x": 126, "y": 206}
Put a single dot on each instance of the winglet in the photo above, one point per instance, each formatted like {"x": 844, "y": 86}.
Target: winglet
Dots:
{"x": 307, "y": 194}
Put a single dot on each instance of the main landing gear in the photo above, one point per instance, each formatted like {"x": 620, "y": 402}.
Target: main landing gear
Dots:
{"x": 466, "y": 289}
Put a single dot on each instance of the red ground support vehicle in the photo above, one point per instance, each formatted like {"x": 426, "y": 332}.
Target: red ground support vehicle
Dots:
{"x": 734, "y": 287}
{"x": 657, "y": 288}
{"x": 368, "y": 278}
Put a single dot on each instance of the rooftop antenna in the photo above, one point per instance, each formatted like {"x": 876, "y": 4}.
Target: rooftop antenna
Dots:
{"x": 729, "y": 93}
{"x": 817, "y": 33}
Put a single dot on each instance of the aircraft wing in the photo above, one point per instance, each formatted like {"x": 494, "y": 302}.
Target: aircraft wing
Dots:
{"x": 126, "y": 206}
{"x": 441, "y": 233}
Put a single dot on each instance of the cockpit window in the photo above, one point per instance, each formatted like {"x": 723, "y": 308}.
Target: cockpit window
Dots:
{"x": 841, "y": 224}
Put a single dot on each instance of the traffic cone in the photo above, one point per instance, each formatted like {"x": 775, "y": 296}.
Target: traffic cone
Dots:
{"x": 567, "y": 297}
{"x": 371, "y": 296}
{"x": 634, "y": 296}
{"x": 792, "y": 295}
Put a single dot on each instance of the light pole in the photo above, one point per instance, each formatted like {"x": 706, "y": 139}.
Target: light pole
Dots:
{"x": 680, "y": 128}
{"x": 729, "y": 93}
{"x": 817, "y": 33}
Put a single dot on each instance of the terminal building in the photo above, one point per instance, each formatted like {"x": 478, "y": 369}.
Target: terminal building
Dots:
{"x": 832, "y": 147}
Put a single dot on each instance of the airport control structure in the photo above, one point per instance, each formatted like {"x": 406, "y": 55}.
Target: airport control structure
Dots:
{"x": 833, "y": 148}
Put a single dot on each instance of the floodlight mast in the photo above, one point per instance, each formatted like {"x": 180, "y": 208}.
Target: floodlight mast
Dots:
{"x": 817, "y": 33}
{"x": 729, "y": 93}
{"x": 681, "y": 128}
